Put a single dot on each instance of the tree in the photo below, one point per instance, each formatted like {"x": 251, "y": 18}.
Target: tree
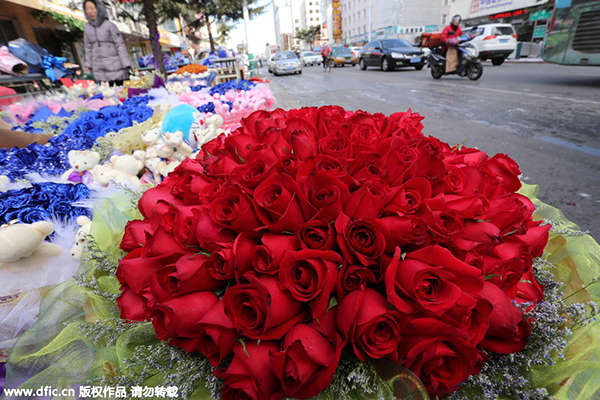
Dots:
{"x": 154, "y": 13}
{"x": 223, "y": 12}
{"x": 310, "y": 34}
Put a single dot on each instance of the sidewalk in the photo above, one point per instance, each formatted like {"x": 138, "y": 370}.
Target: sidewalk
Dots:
{"x": 525, "y": 60}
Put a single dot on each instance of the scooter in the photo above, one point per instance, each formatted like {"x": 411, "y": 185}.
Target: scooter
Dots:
{"x": 470, "y": 66}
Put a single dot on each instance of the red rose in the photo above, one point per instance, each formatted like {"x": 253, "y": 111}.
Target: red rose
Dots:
{"x": 442, "y": 221}
{"x": 354, "y": 277}
{"x": 135, "y": 234}
{"x": 397, "y": 159}
{"x": 367, "y": 201}
{"x": 510, "y": 213}
{"x": 429, "y": 164}
{"x": 131, "y": 305}
{"x": 249, "y": 175}
{"x": 337, "y": 167}
{"x": 189, "y": 274}
{"x": 260, "y": 121}
{"x": 407, "y": 198}
{"x": 508, "y": 331}
{"x": 261, "y": 310}
{"x": 536, "y": 238}
{"x": 307, "y": 361}
{"x": 208, "y": 232}
{"x": 250, "y": 375}
{"x": 280, "y": 203}
{"x": 310, "y": 276}
{"x": 506, "y": 170}
{"x": 233, "y": 209}
{"x": 364, "y": 137}
{"x": 326, "y": 193}
{"x": 180, "y": 221}
{"x": 262, "y": 256}
{"x": 480, "y": 236}
{"x": 529, "y": 290}
{"x": 366, "y": 166}
{"x": 150, "y": 200}
{"x": 404, "y": 231}
{"x": 365, "y": 317}
{"x": 218, "y": 335}
{"x": 287, "y": 164}
{"x": 441, "y": 356}
{"x": 163, "y": 244}
{"x": 316, "y": 234}
{"x": 177, "y": 318}
{"x": 335, "y": 145}
{"x": 136, "y": 271}
{"x": 301, "y": 135}
{"x": 220, "y": 263}
{"x": 430, "y": 279}
{"x": 473, "y": 318}
{"x": 361, "y": 240}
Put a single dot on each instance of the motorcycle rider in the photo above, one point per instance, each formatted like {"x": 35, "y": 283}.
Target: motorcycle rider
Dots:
{"x": 450, "y": 37}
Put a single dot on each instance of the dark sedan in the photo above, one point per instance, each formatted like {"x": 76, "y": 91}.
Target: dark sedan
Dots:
{"x": 388, "y": 54}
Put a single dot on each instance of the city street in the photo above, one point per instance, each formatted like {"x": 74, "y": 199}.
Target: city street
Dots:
{"x": 546, "y": 117}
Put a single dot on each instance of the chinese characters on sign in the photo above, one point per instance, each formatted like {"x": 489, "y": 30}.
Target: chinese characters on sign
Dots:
{"x": 337, "y": 20}
{"x": 474, "y": 6}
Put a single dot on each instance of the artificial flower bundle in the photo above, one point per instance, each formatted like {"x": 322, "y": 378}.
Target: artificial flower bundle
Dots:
{"x": 316, "y": 235}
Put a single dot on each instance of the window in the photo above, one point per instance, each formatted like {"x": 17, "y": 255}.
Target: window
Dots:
{"x": 297, "y": 21}
{"x": 311, "y": 19}
{"x": 444, "y": 19}
{"x": 310, "y": 4}
{"x": 311, "y": 11}
{"x": 446, "y": 2}
{"x": 364, "y": 13}
{"x": 317, "y": 19}
{"x": 297, "y": 29}
{"x": 297, "y": 42}
{"x": 365, "y": 28}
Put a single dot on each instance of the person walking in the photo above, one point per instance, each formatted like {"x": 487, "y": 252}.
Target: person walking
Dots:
{"x": 105, "y": 51}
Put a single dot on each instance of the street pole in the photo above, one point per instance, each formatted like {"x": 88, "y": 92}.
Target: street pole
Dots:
{"x": 246, "y": 22}
{"x": 370, "y": 6}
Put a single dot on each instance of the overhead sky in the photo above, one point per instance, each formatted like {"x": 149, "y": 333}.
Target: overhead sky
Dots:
{"x": 261, "y": 30}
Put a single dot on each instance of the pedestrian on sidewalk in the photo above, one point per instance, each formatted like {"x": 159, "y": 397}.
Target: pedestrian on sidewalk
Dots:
{"x": 105, "y": 51}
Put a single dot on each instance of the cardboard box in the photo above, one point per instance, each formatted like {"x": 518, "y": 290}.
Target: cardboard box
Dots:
{"x": 9, "y": 139}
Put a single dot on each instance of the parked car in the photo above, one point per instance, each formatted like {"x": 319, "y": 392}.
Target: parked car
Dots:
{"x": 494, "y": 41}
{"x": 342, "y": 56}
{"x": 310, "y": 58}
{"x": 355, "y": 50}
{"x": 285, "y": 62}
{"x": 388, "y": 54}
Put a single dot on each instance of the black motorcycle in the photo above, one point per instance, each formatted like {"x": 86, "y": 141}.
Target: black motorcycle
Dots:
{"x": 469, "y": 66}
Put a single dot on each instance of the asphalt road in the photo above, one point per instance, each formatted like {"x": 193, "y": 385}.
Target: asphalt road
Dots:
{"x": 546, "y": 117}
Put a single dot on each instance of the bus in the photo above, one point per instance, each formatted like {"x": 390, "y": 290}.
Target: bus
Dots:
{"x": 573, "y": 36}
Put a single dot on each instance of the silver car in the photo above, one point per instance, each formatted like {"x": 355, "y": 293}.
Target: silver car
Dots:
{"x": 310, "y": 58}
{"x": 285, "y": 62}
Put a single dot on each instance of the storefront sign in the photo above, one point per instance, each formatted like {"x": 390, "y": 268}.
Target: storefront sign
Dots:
{"x": 431, "y": 28}
{"x": 539, "y": 31}
{"x": 337, "y": 19}
{"x": 388, "y": 32}
{"x": 514, "y": 13}
{"x": 540, "y": 15}
{"x": 486, "y": 8}
{"x": 474, "y": 6}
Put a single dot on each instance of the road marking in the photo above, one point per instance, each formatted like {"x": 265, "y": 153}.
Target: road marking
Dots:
{"x": 585, "y": 149}
{"x": 531, "y": 94}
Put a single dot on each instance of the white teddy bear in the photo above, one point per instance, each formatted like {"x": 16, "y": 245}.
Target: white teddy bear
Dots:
{"x": 155, "y": 165}
{"x": 128, "y": 168}
{"x": 170, "y": 167}
{"x": 175, "y": 139}
{"x": 23, "y": 242}
{"x": 103, "y": 174}
{"x": 81, "y": 161}
{"x": 85, "y": 225}
{"x": 151, "y": 136}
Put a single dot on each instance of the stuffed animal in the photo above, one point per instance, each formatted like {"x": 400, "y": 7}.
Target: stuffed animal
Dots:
{"x": 105, "y": 173}
{"x": 155, "y": 165}
{"x": 175, "y": 140}
{"x": 22, "y": 242}
{"x": 128, "y": 168}
{"x": 151, "y": 136}
{"x": 170, "y": 167}
{"x": 85, "y": 225}
{"x": 4, "y": 181}
{"x": 81, "y": 161}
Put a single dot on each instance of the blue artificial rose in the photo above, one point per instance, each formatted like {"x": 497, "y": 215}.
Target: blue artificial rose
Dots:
{"x": 78, "y": 192}
{"x": 26, "y": 155}
{"x": 142, "y": 114}
{"x": 61, "y": 207}
{"x": 11, "y": 215}
{"x": 76, "y": 212}
{"x": 18, "y": 201}
{"x": 34, "y": 214}
{"x": 112, "y": 112}
{"x": 108, "y": 128}
{"x": 88, "y": 126}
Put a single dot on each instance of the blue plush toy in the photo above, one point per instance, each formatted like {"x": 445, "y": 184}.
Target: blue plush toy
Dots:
{"x": 181, "y": 118}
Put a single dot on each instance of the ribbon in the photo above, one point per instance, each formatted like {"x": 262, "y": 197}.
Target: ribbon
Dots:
{"x": 51, "y": 62}
{"x": 85, "y": 177}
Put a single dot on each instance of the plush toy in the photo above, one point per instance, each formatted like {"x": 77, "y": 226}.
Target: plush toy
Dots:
{"x": 105, "y": 173}
{"x": 85, "y": 225}
{"x": 175, "y": 140}
{"x": 81, "y": 161}
{"x": 151, "y": 136}
{"x": 128, "y": 168}
{"x": 170, "y": 167}
{"x": 181, "y": 118}
{"x": 155, "y": 165}
{"x": 160, "y": 149}
{"x": 4, "y": 181}
{"x": 22, "y": 242}
{"x": 211, "y": 130}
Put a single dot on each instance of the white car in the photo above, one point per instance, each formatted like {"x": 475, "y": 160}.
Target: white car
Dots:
{"x": 355, "y": 50}
{"x": 494, "y": 41}
{"x": 310, "y": 58}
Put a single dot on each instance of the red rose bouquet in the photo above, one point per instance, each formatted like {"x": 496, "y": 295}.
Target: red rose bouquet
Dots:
{"x": 317, "y": 236}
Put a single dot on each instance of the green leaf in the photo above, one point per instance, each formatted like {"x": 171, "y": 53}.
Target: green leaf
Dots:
{"x": 492, "y": 276}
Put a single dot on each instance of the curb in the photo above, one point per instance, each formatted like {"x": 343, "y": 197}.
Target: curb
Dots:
{"x": 526, "y": 61}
